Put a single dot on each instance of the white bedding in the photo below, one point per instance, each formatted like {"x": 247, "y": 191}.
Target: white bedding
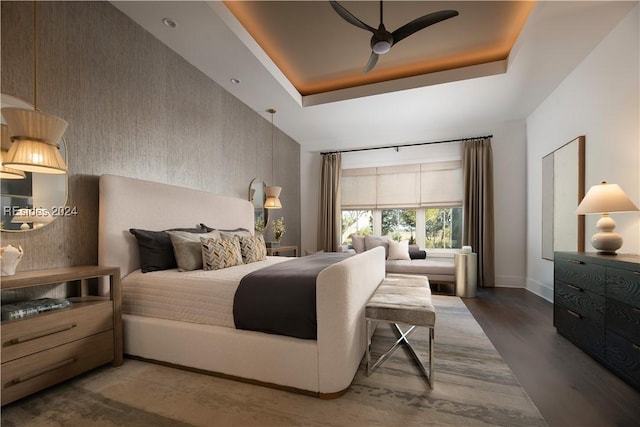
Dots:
{"x": 198, "y": 296}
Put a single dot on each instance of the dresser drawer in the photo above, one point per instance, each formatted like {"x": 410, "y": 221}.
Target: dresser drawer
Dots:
{"x": 25, "y": 336}
{"x": 623, "y": 356}
{"x": 585, "y": 332}
{"x": 623, "y": 286}
{"x": 585, "y": 303}
{"x": 28, "y": 374}
{"x": 577, "y": 272}
{"x": 623, "y": 319}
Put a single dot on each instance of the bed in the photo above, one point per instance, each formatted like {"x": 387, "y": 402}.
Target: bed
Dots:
{"x": 323, "y": 367}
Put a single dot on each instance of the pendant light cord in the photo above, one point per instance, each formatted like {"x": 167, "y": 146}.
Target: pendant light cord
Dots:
{"x": 273, "y": 152}
{"x": 35, "y": 57}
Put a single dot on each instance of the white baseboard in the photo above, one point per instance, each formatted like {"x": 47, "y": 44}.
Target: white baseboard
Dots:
{"x": 540, "y": 289}
{"x": 509, "y": 282}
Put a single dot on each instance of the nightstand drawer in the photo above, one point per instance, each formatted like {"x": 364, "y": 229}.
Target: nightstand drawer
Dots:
{"x": 28, "y": 374}
{"x": 25, "y": 336}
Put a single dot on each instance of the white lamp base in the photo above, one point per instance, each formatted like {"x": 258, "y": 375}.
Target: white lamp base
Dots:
{"x": 606, "y": 241}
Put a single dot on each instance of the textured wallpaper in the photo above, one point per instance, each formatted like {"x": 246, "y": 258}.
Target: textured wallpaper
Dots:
{"x": 135, "y": 108}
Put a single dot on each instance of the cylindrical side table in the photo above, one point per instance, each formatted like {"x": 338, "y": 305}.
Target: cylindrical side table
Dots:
{"x": 466, "y": 275}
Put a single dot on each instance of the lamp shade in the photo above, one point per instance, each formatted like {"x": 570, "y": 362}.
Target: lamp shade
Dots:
{"x": 607, "y": 198}
{"x": 273, "y": 197}
{"x": 36, "y": 137}
{"x": 5, "y": 172}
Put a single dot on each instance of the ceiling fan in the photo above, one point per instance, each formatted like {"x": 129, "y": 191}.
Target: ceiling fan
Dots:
{"x": 382, "y": 40}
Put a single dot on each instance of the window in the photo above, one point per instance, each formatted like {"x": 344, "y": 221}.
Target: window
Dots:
{"x": 419, "y": 202}
{"x": 400, "y": 224}
{"x": 356, "y": 221}
{"x": 429, "y": 228}
{"x": 443, "y": 228}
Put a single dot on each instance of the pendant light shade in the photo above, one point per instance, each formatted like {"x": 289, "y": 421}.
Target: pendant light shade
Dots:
{"x": 272, "y": 191}
{"x": 36, "y": 136}
{"x": 273, "y": 197}
{"x": 5, "y": 172}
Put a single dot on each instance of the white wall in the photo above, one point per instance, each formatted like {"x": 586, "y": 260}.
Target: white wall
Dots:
{"x": 599, "y": 99}
{"x": 509, "y": 153}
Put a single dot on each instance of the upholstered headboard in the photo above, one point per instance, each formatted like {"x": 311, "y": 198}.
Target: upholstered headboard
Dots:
{"x": 133, "y": 203}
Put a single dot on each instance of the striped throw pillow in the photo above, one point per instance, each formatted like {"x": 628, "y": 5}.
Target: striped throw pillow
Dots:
{"x": 253, "y": 248}
{"x": 221, "y": 253}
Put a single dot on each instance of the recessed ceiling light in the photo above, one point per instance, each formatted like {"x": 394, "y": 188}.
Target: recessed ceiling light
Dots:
{"x": 169, "y": 22}
{"x": 235, "y": 81}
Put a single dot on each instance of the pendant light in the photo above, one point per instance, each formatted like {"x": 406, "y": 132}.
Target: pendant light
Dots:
{"x": 272, "y": 191}
{"x": 35, "y": 135}
{"x": 5, "y": 172}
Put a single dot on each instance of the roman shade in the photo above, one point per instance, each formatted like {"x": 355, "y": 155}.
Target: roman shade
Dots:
{"x": 433, "y": 184}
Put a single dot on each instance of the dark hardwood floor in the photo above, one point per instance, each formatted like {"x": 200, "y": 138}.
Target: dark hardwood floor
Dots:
{"x": 568, "y": 387}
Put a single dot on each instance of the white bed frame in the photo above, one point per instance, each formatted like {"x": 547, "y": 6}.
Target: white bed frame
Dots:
{"x": 324, "y": 367}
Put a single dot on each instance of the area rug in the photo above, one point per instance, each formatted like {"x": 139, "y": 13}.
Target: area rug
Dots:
{"x": 473, "y": 387}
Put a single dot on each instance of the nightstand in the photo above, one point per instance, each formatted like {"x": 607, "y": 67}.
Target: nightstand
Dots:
{"x": 278, "y": 250}
{"x": 42, "y": 350}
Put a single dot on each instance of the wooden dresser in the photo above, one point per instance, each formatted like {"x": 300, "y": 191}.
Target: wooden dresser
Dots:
{"x": 45, "y": 349}
{"x": 597, "y": 307}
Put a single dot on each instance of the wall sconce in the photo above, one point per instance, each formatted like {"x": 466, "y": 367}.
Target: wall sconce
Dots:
{"x": 35, "y": 135}
{"x": 604, "y": 199}
{"x": 272, "y": 191}
{"x": 5, "y": 172}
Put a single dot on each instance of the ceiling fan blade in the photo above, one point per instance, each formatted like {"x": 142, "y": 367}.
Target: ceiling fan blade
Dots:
{"x": 373, "y": 60}
{"x": 421, "y": 23}
{"x": 347, "y": 16}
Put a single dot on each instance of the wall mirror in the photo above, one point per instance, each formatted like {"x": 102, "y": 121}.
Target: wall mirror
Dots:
{"x": 562, "y": 191}
{"x": 257, "y": 196}
{"x": 36, "y": 200}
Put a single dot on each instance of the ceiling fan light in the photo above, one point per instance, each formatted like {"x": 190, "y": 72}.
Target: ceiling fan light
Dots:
{"x": 36, "y": 136}
{"x": 381, "y": 47}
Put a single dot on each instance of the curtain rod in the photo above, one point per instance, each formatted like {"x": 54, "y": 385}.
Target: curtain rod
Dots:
{"x": 397, "y": 147}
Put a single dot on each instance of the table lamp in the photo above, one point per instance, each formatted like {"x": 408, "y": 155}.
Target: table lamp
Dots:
{"x": 603, "y": 199}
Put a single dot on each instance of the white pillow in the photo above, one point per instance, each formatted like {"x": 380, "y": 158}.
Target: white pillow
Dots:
{"x": 358, "y": 243}
{"x": 399, "y": 250}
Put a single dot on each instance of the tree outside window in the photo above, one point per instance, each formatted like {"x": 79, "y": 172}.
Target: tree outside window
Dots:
{"x": 400, "y": 224}
{"x": 443, "y": 228}
{"x": 356, "y": 222}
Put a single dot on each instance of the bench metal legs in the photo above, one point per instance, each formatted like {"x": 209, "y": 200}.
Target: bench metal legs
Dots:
{"x": 401, "y": 339}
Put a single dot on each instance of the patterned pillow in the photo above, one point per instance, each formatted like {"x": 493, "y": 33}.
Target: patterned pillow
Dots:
{"x": 220, "y": 253}
{"x": 187, "y": 248}
{"x": 253, "y": 248}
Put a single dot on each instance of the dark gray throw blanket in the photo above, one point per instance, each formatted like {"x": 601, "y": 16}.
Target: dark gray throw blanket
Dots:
{"x": 281, "y": 299}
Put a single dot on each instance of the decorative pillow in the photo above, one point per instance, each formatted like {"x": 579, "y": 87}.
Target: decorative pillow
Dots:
{"x": 358, "y": 243}
{"x": 187, "y": 248}
{"x": 238, "y": 230}
{"x": 253, "y": 248}
{"x": 241, "y": 232}
{"x": 417, "y": 254}
{"x": 220, "y": 253}
{"x": 371, "y": 242}
{"x": 398, "y": 250}
{"x": 155, "y": 249}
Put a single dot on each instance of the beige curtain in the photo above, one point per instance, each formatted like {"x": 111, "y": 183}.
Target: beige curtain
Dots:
{"x": 330, "y": 215}
{"x": 477, "y": 167}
